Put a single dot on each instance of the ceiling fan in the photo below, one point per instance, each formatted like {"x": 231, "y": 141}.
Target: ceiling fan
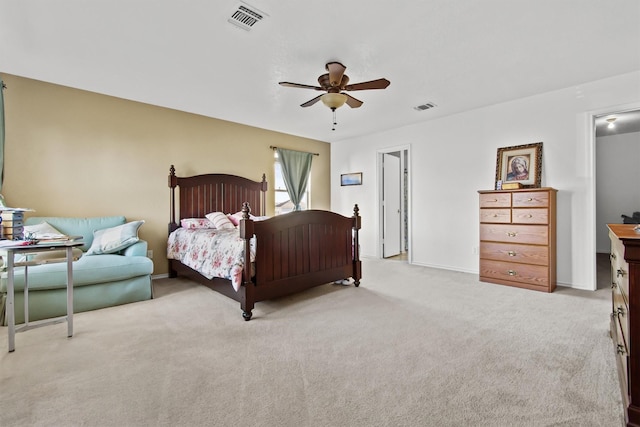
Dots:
{"x": 334, "y": 83}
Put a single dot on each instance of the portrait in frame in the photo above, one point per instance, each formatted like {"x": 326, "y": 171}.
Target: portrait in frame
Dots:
{"x": 520, "y": 164}
{"x": 351, "y": 179}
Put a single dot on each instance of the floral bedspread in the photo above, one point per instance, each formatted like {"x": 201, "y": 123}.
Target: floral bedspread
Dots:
{"x": 211, "y": 252}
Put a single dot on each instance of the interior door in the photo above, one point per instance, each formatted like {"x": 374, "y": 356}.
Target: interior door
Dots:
{"x": 391, "y": 213}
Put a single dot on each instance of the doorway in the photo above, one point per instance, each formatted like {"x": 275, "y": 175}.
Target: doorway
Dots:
{"x": 616, "y": 143}
{"x": 393, "y": 201}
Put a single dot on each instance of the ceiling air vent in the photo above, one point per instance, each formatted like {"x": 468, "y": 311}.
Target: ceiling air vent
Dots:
{"x": 425, "y": 106}
{"x": 245, "y": 16}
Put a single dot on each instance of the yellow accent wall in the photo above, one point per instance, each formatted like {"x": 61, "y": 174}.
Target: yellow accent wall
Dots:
{"x": 70, "y": 152}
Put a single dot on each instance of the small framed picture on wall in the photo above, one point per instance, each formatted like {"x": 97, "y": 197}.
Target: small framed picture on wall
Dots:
{"x": 351, "y": 179}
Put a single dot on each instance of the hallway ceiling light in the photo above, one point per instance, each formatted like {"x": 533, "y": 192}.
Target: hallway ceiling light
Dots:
{"x": 611, "y": 121}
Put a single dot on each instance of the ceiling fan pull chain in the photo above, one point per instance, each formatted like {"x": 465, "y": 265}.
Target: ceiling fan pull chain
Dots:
{"x": 335, "y": 122}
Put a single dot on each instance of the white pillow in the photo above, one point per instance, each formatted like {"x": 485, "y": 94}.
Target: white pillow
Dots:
{"x": 219, "y": 220}
{"x": 114, "y": 239}
{"x": 196, "y": 223}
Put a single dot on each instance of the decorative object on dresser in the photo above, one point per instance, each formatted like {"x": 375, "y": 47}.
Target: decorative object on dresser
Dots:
{"x": 625, "y": 322}
{"x": 518, "y": 238}
{"x": 520, "y": 164}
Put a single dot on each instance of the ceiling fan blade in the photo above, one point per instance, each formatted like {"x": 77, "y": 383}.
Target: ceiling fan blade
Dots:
{"x": 310, "y": 102}
{"x": 373, "y": 84}
{"x": 353, "y": 102}
{"x": 289, "y": 84}
{"x": 336, "y": 70}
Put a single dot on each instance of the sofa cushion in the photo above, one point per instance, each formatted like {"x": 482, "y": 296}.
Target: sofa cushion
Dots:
{"x": 88, "y": 270}
{"x": 114, "y": 239}
{"x": 79, "y": 226}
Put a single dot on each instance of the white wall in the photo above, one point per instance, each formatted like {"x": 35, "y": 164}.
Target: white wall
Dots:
{"x": 453, "y": 157}
{"x": 617, "y": 182}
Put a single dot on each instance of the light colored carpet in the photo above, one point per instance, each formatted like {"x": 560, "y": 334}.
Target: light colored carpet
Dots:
{"x": 412, "y": 346}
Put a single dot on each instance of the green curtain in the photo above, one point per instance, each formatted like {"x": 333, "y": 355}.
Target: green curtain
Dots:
{"x": 1, "y": 134}
{"x": 296, "y": 166}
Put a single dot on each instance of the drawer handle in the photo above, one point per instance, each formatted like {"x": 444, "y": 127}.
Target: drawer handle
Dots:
{"x": 529, "y": 216}
{"x": 512, "y": 273}
{"x": 495, "y": 215}
{"x": 529, "y": 199}
{"x": 512, "y": 233}
{"x": 612, "y": 256}
{"x": 511, "y": 253}
{"x": 620, "y": 349}
{"x": 620, "y": 272}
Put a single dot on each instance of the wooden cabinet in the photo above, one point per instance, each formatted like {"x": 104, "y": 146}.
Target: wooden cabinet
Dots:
{"x": 625, "y": 306}
{"x": 518, "y": 238}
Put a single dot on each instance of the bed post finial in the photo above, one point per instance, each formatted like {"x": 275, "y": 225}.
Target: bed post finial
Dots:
{"x": 357, "y": 264}
{"x": 173, "y": 182}
{"x": 246, "y": 210}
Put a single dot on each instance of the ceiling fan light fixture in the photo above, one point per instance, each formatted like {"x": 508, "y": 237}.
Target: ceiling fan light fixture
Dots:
{"x": 334, "y": 100}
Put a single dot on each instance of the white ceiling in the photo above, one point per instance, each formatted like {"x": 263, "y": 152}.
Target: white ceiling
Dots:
{"x": 460, "y": 54}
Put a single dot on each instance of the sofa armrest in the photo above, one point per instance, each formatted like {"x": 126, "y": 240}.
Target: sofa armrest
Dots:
{"x": 137, "y": 249}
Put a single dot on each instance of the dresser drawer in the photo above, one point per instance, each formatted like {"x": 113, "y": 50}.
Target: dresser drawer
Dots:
{"x": 530, "y": 216}
{"x": 620, "y": 310}
{"x": 533, "y": 199}
{"x": 619, "y": 267}
{"x": 495, "y": 215}
{"x": 622, "y": 354}
{"x": 510, "y": 252}
{"x": 620, "y": 277}
{"x": 537, "y": 275}
{"x": 530, "y": 234}
{"x": 495, "y": 200}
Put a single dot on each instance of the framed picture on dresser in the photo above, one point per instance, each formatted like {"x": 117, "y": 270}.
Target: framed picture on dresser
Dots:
{"x": 520, "y": 164}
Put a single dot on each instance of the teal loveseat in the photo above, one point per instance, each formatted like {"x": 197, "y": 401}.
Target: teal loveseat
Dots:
{"x": 99, "y": 280}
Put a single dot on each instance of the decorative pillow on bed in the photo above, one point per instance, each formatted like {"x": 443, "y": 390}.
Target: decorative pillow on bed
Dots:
{"x": 196, "y": 223}
{"x": 114, "y": 239}
{"x": 219, "y": 220}
{"x": 235, "y": 218}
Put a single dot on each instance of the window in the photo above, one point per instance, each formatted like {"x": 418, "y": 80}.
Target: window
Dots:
{"x": 283, "y": 202}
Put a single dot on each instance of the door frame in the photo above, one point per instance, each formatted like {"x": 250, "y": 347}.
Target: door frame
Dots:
{"x": 407, "y": 191}
{"x": 591, "y": 166}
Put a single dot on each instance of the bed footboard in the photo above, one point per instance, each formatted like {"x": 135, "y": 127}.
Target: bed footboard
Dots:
{"x": 300, "y": 250}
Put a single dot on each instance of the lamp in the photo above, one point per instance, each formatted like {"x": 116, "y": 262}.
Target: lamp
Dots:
{"x": 611, "y": 121}
{"x": 334, "y": 100}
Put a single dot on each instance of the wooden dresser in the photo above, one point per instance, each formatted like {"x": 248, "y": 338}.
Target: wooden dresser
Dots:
{"x": 518, "y": 238}
{"x": 625, "y": 315}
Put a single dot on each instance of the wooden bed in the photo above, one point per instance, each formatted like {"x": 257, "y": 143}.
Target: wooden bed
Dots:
{"x": 294, "y": 251}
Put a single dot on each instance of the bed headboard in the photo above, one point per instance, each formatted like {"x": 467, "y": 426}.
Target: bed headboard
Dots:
{"x": 214, "y": 192}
